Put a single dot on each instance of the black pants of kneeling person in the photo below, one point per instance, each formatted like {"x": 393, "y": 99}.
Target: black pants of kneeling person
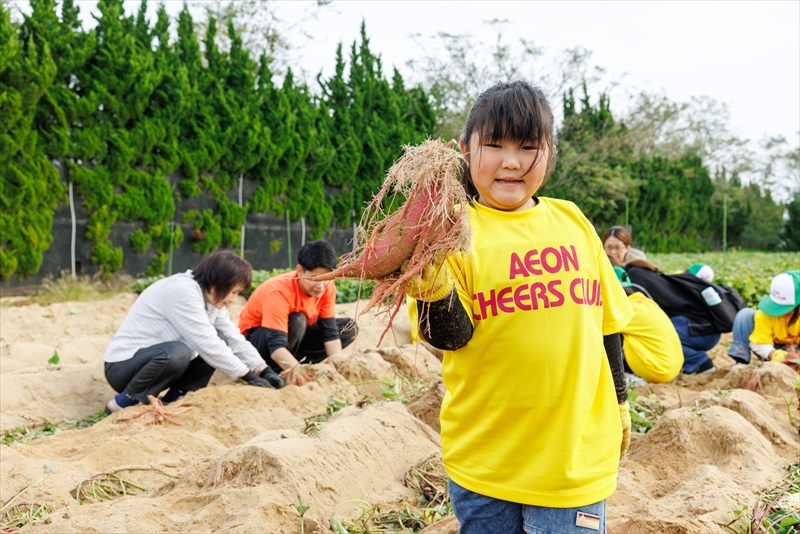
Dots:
{"x": 154, "y": 369}
{"x": 304, "y": 342}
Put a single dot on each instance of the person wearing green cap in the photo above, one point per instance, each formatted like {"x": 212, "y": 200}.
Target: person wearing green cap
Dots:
{"x": 701, "y": 271}
{"x": 651, "y": 346}
{"x": 772, "y": 332}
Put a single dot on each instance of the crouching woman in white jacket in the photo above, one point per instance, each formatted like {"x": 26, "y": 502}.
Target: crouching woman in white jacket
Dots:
{"x": 178, "y": 332}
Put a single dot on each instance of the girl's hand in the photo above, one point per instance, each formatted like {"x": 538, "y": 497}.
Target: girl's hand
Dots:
{"x": 778, "y": 355}
{"x": 625, "y": 419}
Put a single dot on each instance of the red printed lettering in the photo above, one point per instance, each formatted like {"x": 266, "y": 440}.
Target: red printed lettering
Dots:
{"x": 539, "y": 291}
{"x": 575, "y": 298}
{"x": 592, "y": 293}
{"x": 551, "y": 268}
{"x": 531, "y": 263}
{"x": 504, "y": 297}
{"x": 553, "y": 287}
{"x": 520, "y": 298}
{"x": 491, "y": 303}
{"x": 569, "y": 259}
{"x": 516, "y": 267}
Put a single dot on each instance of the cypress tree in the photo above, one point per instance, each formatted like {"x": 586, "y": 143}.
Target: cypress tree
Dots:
{"x": 342, "y": 172}
{"x": 791, "y": 228}
{"x": 593, "y": 157}
{"x": 29, "y": 184}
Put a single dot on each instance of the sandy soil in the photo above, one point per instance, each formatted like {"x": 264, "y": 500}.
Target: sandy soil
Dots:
{"x": 245, "y": 454}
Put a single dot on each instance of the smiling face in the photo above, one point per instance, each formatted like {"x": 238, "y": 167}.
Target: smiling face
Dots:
{"x": 224, "y": 301}
{"x": 616, "y": 248}
{"x": 310, "y": 287}
{"x": 506, "y": 174}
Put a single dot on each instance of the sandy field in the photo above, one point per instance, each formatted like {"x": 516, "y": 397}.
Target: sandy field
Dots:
{"x": 242, "y": 456}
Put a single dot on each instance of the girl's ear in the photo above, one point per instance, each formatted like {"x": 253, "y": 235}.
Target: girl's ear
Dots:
{"x": 463, "y": 146}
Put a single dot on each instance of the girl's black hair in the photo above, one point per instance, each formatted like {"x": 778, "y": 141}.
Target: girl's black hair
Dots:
{"x": 513, "y": 111}
{"x": 219, "y": 273}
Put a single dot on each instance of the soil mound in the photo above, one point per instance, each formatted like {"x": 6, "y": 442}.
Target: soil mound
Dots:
{"x": 242, "y": 456}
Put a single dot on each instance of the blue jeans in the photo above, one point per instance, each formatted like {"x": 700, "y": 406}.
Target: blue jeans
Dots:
{"x": 694, "y": 347}
{"x": 479, "y": 514}
{"x": 743, "y": 325}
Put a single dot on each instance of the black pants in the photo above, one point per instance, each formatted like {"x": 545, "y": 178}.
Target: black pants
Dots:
{"x": 153, "y": 369}
{"x": 305, "y": 342}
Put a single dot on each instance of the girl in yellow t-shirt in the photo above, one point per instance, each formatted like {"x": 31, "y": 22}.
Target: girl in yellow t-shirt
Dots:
{"x": 535, "y": 418}
{"x": 652, "y": 348}
{"x": 772, "y": 332}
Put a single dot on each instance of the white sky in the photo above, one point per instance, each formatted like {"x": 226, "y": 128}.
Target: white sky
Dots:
{"x": 745, "y": 54}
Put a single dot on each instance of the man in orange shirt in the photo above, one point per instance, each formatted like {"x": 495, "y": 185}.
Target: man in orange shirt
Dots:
{"x": 291, "y": 319}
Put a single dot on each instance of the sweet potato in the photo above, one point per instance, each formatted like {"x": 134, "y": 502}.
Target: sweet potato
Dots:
{"x": 430, "y": 224}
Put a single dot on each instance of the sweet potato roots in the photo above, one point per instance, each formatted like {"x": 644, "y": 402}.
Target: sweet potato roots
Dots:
{"x": 430, "y": 224}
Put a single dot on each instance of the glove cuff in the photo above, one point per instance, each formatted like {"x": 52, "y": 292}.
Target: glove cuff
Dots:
{"x": 436, "y": 293}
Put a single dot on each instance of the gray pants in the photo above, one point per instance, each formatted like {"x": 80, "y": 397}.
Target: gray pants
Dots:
{"x": 153, "y": 369}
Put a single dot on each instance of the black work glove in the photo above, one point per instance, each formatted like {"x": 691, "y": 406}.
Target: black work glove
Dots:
{"x": 255, "y": 380}
{"x": 272, "y": 377}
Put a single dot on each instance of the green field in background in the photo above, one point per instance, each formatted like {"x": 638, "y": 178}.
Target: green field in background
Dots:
{"x": 749, "y": 273}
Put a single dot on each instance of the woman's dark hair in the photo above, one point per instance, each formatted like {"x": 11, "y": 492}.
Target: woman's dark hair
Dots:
{"x": 620, "y": 232}
{"x": 222, "y": 271}
{"x": 517, "y": 112}
{"x": 317, "y": 254}
{"x": 644, "y": 264}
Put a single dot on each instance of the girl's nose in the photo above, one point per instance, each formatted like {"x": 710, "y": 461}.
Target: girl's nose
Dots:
{"x": 511, "y": 160}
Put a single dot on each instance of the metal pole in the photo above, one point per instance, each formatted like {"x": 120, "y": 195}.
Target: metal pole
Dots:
{"x": 724, "y": 223}
{"x": 353, "y": 218}
{"x": 72, "y": 213}
{"x": 303, "y": 234}
{"x": 627, "y": 225}
{"x": 289, "y": 238}
{"x": 241, "y": 242}
{"x": 171, "y": 238}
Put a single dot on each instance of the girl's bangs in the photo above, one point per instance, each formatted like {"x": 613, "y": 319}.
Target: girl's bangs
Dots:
{"x": 520, "y": 120}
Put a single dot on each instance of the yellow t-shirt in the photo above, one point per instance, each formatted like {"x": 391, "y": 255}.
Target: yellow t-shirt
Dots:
{"x": 530, "y": 414}
{"x": 774, "y": 330}
{"x": 652, "y": 346}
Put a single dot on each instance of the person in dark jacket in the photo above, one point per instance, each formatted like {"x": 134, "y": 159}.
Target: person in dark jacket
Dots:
{"x": 696, "y": 331}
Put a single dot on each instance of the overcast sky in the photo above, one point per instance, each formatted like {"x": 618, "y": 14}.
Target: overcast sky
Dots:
{"x": 745, "y": 54}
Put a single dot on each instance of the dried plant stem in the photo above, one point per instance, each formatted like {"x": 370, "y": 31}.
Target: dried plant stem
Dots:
{"x": 109, "y": 485}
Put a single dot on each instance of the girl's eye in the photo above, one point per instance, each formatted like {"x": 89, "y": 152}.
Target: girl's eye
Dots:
{"x": 529, "y": 147}
{"x": 492, "y": 145}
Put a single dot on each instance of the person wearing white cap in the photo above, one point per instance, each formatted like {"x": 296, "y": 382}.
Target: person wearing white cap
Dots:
{"x": 772, "y": 332}
{"x": 702, "y": 271}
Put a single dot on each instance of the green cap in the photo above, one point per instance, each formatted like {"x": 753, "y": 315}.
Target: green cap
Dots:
{"x": 623, "y": 277}
{"x": 702, "y": 271}
{"x": 784, "y": 294}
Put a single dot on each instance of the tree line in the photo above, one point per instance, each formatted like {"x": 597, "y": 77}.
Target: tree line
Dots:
{"x": 137, "y": 116}
{"x": 117, "y": 109}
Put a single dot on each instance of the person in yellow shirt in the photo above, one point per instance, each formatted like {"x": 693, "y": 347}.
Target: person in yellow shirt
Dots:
{"x": 651, "y": 346}
{"x": 772, "y": 332}
{"x": 535, "y": 418}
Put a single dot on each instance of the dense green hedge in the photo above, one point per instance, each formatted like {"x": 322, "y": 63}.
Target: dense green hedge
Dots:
{"x": 139, "y": 121}
{"x": 121, "y": 107}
